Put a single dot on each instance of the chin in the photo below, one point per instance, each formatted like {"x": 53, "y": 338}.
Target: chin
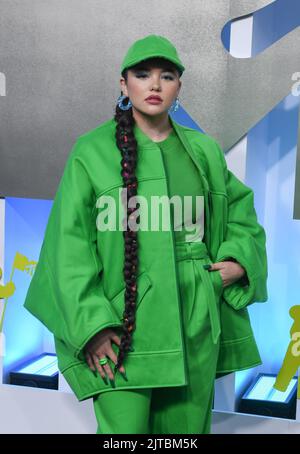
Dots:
{"x": 150, "y": 111}
{"x": 153, "y": 110}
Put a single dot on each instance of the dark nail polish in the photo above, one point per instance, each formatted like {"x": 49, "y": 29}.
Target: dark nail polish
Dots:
{"x": 105, "y": 380}
{"x": 124, "y": 375}
{"x": 206, "y": 267}
{"x": 112, "y": 382}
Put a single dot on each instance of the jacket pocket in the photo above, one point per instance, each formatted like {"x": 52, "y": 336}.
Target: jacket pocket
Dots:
{"x": 217, "y": 282}
{"x": 143, "y": 284}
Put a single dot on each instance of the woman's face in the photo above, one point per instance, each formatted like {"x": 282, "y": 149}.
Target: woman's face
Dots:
{"x": 153, "y": 77}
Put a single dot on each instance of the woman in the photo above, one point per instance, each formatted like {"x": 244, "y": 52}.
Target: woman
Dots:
{"x": 165, "y": 308}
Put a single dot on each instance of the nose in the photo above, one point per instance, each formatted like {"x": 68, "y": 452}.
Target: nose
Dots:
{"x": 155, "y": 81}
{"x": 156, "y": 87}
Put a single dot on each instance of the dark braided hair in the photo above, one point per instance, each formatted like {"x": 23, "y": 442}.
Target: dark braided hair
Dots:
{"x": 127, "y": 145}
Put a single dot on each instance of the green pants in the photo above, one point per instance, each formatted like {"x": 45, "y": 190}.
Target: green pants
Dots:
{"x": 182, "y": 409}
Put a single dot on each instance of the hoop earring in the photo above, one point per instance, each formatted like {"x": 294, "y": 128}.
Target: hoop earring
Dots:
{"x": 175, "y": 106}
{"x": 121, "y": 105}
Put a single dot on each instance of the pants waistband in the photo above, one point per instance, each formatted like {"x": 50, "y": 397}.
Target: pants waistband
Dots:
{"x": 191, "y": 250}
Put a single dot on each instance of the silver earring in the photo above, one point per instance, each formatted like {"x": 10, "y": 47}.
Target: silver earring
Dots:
{"x": 120, "y": 102}
{"x": 175, "y": 106}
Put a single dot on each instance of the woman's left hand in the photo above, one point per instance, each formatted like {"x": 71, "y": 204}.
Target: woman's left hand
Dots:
{"x": 230, "y": 271}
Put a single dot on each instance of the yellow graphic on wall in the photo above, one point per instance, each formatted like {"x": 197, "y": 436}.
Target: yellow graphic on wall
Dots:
{"x": 291, "y": 360}
{"x": 8, "y": 289}
{"x": 21, "y": 263}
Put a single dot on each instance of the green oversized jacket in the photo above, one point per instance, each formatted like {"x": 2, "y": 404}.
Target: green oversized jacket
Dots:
{"x": 78, "y": 285}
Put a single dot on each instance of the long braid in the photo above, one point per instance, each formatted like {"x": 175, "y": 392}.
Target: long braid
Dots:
{"x": 127, "y": 144}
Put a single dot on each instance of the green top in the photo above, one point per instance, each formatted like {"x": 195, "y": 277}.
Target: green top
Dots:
{"x": 183, "y": 181}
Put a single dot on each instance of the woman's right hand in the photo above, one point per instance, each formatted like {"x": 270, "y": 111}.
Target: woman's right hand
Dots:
{"x": 99, "y": 346}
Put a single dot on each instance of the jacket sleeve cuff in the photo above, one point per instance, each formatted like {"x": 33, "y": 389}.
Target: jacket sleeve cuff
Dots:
{"x": 244, "y": 279}
{"x": 97, "y": 315}
{"x": 108, "y": 320}
{"x": 242, "y": 292}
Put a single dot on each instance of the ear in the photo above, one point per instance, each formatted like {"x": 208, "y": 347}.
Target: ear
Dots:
{"x": 123, "y": 86}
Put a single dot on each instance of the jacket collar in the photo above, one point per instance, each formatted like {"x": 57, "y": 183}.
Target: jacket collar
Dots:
{"x": 206, "y": 190}
{"x": 185, "y": 142}
{"x": 144, "y": 141}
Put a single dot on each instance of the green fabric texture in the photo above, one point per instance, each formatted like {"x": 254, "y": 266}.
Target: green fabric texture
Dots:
{"x": 78, "y": 285}
{"x": 183, "y": 180}
{"x": 183, "y": 409}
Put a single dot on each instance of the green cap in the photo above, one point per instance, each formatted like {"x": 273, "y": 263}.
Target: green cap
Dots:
{"x": 151, "y": 46}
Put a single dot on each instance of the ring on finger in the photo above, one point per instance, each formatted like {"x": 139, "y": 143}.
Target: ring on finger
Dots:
{"x": 103, "y": 361}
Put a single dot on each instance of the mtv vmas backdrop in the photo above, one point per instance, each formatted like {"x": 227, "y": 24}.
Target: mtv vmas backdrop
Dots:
{"x": 59, "y": 78}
